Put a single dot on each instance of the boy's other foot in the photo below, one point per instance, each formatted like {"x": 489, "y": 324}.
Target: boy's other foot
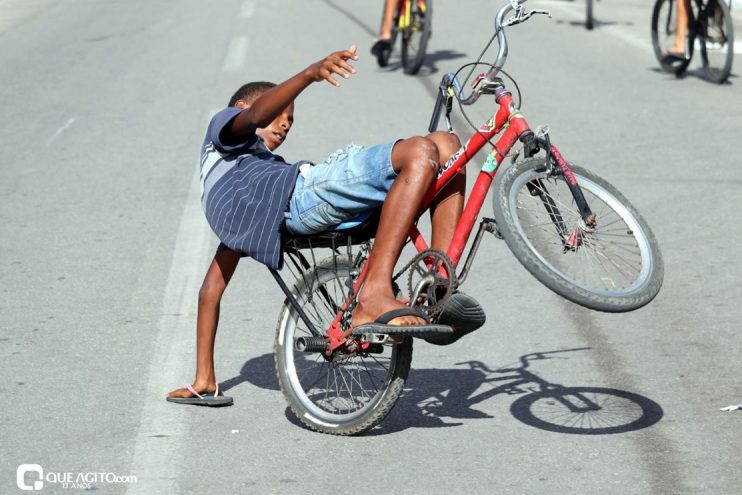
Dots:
{"x": 204, "y": 397}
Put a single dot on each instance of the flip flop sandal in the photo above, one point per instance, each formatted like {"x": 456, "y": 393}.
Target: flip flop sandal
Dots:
{"x": 673, "y": 57}
{"x": 381, "y": 325}
{"x": 463, "y": 313}
{"x": 207, "y": 399}
{"x": 381, "y": 46}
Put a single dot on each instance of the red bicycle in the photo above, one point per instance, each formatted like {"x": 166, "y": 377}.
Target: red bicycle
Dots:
{"x": 568, "y": 227}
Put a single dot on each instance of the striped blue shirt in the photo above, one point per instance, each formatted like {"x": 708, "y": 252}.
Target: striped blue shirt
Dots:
{"x": 245, "y": 191}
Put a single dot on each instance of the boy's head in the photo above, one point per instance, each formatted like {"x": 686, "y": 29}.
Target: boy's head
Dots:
{"x": 275, "y": 133}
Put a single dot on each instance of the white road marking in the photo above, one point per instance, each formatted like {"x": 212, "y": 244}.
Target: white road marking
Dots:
{"x": 248, "y": 9}
{"x": 577, "y": 11}
{"x": 13, "y": 12}
{"x": 157, "y": 451}
{"x": 236, "y": 54}
{"x": 642, "y": 43}
{"x": 61, "y": 130}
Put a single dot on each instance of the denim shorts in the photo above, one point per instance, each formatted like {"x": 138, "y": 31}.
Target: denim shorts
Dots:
{"x": 350, "y": 181}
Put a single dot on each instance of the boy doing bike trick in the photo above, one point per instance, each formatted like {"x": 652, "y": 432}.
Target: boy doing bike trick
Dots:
{"x": 249, "y": 194}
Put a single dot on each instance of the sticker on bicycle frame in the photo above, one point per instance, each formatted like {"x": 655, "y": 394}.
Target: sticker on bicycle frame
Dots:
{"x": 451, "y": 161}
{"x": 489, "y": 125}
{"x": 491, "y": 164}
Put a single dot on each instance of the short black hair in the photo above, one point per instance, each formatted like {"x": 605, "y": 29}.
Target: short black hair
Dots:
{"x": 251, "y": 91}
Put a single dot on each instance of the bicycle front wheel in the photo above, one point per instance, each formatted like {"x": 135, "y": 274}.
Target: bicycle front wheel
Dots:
{"x": 613, "y": 266}
{"x": 415, "y": 35}
{"x": 664, "y": 30}
{"x": 716, "y": 37}
{"x": 350, "y": 392}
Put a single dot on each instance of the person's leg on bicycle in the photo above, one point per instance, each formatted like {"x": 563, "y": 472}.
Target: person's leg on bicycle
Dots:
{"x": 461, "y": 311}
{"x": 384, "y": 41}
{"x": 678, "y": 48}
{"x": 416, "y": 161}
{"x": 394, "y": 177}
{"x": 445, "y": 211}
{"x": 215, "y": 282}
{"x": 376, "y": 296}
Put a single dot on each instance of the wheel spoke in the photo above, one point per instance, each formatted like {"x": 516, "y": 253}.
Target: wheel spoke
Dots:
{"x": 613, "y": 259}
{"x": 346, "y": 388}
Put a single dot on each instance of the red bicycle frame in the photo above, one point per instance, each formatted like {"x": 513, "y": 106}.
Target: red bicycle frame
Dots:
{"x": 515, "y": 125}
{"x": 507, "y": 118}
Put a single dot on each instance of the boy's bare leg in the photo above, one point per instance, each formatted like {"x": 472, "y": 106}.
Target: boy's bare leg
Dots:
{"x": 416, "y": 162}
{"x": 446, "y": 209}
{"x": 209, "y": 298}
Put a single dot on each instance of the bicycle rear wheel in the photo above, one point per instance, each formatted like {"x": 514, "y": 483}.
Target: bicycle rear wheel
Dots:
{"x": 716, "y": 37}
{"x": 350, "y": 392}
{"x": 615, "y": 266}
{"x": 664, "y": 29}
{"x": 415, "y": 35}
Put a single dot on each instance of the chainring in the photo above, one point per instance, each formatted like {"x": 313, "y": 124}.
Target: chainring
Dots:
{"x": 431, "y": 280}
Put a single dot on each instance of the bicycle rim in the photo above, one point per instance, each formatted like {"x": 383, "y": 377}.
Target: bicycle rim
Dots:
{"x": 614, "y": 266}
{"x": 664, "y": 29}
{"x": 716, "y": 39}
{"x": 343, "y": 396}
{"x": 415, "y": 36}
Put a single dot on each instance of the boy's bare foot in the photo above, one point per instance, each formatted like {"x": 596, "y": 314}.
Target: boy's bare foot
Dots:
{"x": 206, "y": 396}
{"x": 369, "y": 309}
{"x": 184, "y": 393}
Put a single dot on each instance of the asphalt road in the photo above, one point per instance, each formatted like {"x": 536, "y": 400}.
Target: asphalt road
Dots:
{"x": 103, "y": 247}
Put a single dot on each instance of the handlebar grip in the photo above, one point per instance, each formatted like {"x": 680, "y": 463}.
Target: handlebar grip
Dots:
{"x": 436, "y": 117}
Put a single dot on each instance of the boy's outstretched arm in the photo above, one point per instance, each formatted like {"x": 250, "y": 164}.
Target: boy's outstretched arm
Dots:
{"x": 271, "y": 103}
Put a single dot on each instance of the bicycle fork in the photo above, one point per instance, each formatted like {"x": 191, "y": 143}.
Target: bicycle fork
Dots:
{"x": 557, "y": 165}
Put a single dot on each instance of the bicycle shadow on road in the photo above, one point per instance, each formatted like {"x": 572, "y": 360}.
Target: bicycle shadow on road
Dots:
{"x": 432, "y": 398}
{"x": 696, "y": 73}
{"x": 597, "y": 23}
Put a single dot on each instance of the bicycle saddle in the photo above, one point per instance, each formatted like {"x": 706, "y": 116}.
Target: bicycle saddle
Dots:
{"x": 358, "y": 230}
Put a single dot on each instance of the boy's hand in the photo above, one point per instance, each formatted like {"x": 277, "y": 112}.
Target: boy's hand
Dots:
{"x": 335, "y": 63}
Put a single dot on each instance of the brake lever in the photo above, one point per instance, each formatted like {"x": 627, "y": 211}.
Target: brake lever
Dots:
{"x": 521, "y": 16}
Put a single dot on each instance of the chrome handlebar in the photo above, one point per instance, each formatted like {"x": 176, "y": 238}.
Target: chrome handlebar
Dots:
{"x": 451, "y": 81}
